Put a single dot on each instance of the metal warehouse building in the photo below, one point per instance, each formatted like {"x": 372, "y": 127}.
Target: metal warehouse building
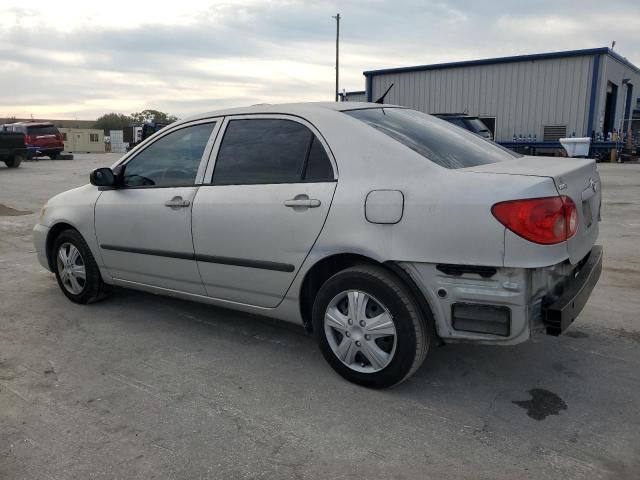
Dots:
{"x": 547, "y": 95}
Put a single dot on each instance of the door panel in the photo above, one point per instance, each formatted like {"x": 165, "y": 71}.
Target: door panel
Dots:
{"x": 142, "y": 240}
{"x": 249, "y": 244}
{"x": 144, "y": 227}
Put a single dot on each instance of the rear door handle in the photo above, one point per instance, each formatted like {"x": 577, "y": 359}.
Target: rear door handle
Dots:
{"x": 301, "y": 202}
{"x": 177, "y": 202}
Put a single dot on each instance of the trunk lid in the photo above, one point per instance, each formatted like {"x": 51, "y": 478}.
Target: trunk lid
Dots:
{"x": 576, "y": 178}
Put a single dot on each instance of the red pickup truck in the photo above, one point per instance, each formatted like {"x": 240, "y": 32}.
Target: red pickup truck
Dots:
{"x": 40, "y": 138}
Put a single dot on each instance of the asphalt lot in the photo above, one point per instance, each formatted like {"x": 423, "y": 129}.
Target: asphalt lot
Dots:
{"x": 141, "y": 386}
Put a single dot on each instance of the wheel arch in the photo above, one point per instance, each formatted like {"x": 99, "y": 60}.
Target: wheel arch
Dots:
{"x": 54, "y": 231}
{"x": 326, "y": 267}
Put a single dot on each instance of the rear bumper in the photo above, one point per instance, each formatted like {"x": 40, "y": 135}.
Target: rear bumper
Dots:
{"x": 33, "y": 151}
{"x": 505, "y": 306}
{"x": 558, "y": 313}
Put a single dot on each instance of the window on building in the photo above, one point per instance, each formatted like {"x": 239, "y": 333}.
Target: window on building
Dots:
{"x": 93, "y": 137}
{"x": 64, "y": 136}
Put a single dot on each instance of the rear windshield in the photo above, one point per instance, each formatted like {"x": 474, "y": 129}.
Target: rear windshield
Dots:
{"x": 477, "y": 124}
{"x": 42, "y": 130}
{"x": 434, "y": 139}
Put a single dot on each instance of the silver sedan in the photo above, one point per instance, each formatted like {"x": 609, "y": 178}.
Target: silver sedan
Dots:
{"x": 381, "y": 229}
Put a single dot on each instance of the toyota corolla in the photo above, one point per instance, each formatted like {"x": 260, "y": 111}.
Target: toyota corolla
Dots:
{"x": 381, "y": 229}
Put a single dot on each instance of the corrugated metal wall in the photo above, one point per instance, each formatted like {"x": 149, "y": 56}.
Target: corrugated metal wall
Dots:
{"x": 523, "y": 96}
{"x": 611, "y": 70}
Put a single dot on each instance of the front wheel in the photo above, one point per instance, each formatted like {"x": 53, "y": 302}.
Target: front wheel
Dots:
{"x": 76, "y": 270}
{"x": 369, "y": 327}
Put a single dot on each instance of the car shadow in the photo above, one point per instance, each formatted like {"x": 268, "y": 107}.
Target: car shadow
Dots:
{"x": 548, "y": 363}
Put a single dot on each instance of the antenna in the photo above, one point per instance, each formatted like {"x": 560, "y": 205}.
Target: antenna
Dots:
{"x": 381, "y": 99}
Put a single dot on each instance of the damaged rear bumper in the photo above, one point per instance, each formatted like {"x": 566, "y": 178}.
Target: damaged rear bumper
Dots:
{"x": 558, "y": 313}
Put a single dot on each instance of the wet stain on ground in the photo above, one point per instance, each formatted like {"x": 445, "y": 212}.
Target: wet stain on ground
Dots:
{"x": 542, "y": 404}
{"x": 12, "y": 212}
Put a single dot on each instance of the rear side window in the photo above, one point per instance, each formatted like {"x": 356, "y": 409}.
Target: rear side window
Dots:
{"x": 42, "y": 130}
{"x": 261, "y": 151}
{"x": 437, "y": 140}
{"x": 319, "y": 167}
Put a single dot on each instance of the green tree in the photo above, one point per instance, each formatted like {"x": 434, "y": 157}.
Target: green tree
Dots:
{"x": 151, "y": 115}
{"x": 115, "y": 121}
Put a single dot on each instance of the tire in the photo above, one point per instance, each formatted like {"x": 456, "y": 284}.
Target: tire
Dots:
{"x": 15, "y": 161}
{"x": 53, "y": 155}
{"x": 383, "y": 297}
{"x": 92, "y": 288}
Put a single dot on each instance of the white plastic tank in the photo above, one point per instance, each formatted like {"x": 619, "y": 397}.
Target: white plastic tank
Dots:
{"x": 576, "y": 146}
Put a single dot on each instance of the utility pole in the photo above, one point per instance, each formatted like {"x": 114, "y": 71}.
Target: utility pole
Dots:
{"x": 337, "y": 17}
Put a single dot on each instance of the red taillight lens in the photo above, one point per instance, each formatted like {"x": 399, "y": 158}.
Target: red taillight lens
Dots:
{"x": 546, "y": 220}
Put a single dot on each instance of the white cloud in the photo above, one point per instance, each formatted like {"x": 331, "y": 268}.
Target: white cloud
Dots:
{"x": 78, "y": 59}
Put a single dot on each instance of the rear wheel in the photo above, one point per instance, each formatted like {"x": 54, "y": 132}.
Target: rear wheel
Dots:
{"x": 53, "y": 155}
{"x": 369, "y": 327}
{"x": 15, "y": 161}
{"x": 76, "y": 270}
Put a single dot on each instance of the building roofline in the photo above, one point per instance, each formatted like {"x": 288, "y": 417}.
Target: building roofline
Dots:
{"x": 510, "y": 59}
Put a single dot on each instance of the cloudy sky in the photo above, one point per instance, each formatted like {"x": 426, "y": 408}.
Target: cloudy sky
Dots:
{"x": 72, "y": 59}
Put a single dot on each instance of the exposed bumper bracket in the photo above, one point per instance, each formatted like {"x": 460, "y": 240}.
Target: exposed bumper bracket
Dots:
{"x": 560, "y": 312}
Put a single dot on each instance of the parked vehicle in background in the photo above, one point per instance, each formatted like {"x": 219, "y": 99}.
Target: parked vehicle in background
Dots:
{"x": 40, "y": 138}
{"x": 142, "y": 131}
{"x": 468, "y": 122}
{"x": 381, "y": 229}
{"x": 12, "y": 148}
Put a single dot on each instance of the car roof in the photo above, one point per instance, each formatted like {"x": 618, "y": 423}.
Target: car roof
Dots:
{"x": 32, "y": 124}
{"x": 302, "y": 109}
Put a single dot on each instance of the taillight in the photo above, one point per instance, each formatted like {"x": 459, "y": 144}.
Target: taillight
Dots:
{"x": 27, "y": 139}
{"x": 546, "y": 220}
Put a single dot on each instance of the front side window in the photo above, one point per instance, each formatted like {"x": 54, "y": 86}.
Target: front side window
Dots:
{"x": 434, "y": 139}
{"x": 171, "y": 161}
{"x": 262, "y": 151}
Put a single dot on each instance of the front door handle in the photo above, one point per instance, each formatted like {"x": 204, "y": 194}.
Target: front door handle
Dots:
{"x": 300, "y": 202}
{"x": 177, "y": 202}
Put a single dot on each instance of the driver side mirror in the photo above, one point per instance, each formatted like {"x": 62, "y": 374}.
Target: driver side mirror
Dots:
{"x": 102, "y": 177}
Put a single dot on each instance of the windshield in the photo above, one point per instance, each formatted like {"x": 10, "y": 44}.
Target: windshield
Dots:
{"x": 434, "y": 139}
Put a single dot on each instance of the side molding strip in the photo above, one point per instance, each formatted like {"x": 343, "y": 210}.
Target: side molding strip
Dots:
{"x": 238, "y": 262}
